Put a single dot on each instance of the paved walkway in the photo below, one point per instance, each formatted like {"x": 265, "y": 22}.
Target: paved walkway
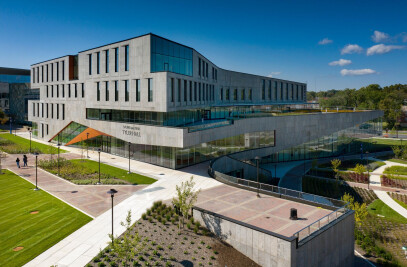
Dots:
{"x": 382, "y": 195}
{"x": 81, "y": 246}
{"x": 90, "y": 199}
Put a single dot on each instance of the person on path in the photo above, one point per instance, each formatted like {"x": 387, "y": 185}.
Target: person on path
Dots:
{"x": 18, "y": 162}
{"x": 25, "y": 160}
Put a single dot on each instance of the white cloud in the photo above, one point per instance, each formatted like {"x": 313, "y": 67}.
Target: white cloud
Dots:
{"x": 325, "y": 41}
{"x": 378, "y": 37}
{"x": 274, "y": 74}
{"x": 382, "y": 49}
{"x": 346, "y": 72}
{"x": 351, "y": 48}
{"x": 340, "y": 62}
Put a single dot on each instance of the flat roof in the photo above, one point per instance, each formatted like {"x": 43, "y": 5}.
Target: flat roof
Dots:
{"x": 267, "y": 212}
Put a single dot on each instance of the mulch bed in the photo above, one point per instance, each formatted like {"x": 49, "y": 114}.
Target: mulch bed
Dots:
{"x": 165, "y": 245}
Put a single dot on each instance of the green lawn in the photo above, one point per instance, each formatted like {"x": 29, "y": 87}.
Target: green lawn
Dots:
{"x": 84, "y": 171}
{"x": 398, "y": 161}
{"x": 379, "y": 208}
{"x": 17, "y": 145}
{"x": 349, "y": 165}
{"x": 35, "y": 232}
{"x": 400, "y": 170}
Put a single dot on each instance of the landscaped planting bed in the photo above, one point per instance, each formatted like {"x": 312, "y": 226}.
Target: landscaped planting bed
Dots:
{"x": 397, "y": 170}
{"x": 156, "y": 240}
{"x": 84, "y": 171}
{"x": 345, "y": 176}
{"x": 17, "y": 145}
{"x": 380, "y": 236}
{"x": 398, "y": 197}
{"x": 394, "y": 181}
{"x": 348, "y": 165}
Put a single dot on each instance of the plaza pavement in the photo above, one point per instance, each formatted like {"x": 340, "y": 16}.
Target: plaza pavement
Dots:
{"x": 81, "y": 246}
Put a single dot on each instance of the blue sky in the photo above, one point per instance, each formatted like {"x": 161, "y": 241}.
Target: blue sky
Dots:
{"x": 260, "y": 37}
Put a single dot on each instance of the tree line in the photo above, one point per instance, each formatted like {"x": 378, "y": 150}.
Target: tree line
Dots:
{"x": 390, "y": 99}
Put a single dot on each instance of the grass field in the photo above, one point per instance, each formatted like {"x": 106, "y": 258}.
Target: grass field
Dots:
{"x": 17, "y": 145}
{"x": 379, "y": 208}
{"x": 400, "y": 170}
{"x": 35, "y": 232}
{"x": 398, "y": 161}
{"x": 84, "y": 171}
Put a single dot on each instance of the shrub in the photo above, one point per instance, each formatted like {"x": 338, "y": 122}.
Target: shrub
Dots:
{"x": 186, "y": 252}
{"x": 208, "y": 247}
{"x": 193, "y": 258}
{"x": 212, "y": 257}
{"x": 196, "y": 229}
{"x": 101, "y": 264}
{"x": 140, "y": 258}
{"x": 164, "y": 221}
{"x": 188, "y": 225}
{"x": 197, "y": 223}
{"x": 96, "y": 259}
{"x": 168, "y": 217}
{"x": 155, "y": 252}
{"x": 148, "y": 212}
{"x": 172, "y": 258}
{"x": 205, "y": 232}
{"x": 144, "y": 216}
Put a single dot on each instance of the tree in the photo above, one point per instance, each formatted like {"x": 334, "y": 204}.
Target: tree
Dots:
{"x": 186, "y": 198}
{"x": 129, "y": 245}
{"x": 360, "y": 209}
{"x": 397, "y": 151}
{"x": 335, "y": 167}
{"x": 359, "y": 169}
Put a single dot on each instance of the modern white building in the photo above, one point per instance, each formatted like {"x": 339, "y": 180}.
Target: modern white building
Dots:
{"x": 161, "y": 102}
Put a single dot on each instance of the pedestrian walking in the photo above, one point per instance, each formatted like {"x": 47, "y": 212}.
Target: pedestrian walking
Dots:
{"x": 18, "y": 162}
{"x": 25, "y": 160}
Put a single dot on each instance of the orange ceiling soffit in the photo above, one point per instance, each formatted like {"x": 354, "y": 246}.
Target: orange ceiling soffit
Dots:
{"x": 83, "y": 136}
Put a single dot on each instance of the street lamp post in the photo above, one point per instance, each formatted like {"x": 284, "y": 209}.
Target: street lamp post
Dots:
{"x": 129, "y": 158}
{"x": 29, "y": 130}
{"x": 11, "y": 128}
{"x": 59, "y": 145}
{"x": 99, "y": 168}
{"x": 87, "y": 145}
{"x": 36, "y": 172}
{"x": 258, "y": 184}
{"x": 112, "y": 192}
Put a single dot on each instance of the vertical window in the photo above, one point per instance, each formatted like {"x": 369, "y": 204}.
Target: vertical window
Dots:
{"x": 63, "y": 111}
{"x": 38, "y": 74}
{"x": 116, "y": 91}
{"x": 185, "y": 90}
{"x": 63, "y": 70}
{"x": 47, "y": 74}
{"x": 227, "y": 94}
{"x": 47, "y": 129}
{"x": 57, "y": 63}
{"x": 235, "y": 94}
{"x": 275, "y": 91}
{"x": 107, "y": 91}
{"x": 243, "y": 96}
{"x": 42, "y": 110}
{"x": 63, "y": 90}
{"x": 98, "y": 63}
{"x": 52, "y": 111}
{"x": 57, "y": 111}
{"x": 250, "y": 94}
{"x": 34, "y": 109}
{"x": 263, "y": 90}
{"x": 38, "y": 109}
{"x": 83, "y": 90}
{"x": 33, "y": 75}
{"x": 52, "y": 72}
{"x": 52, "y": 91}
{"x": 97, "y": 92}
{"x": 199, "y": 66}
{"x": 199, "y": 94}
{"x": 116, "y": 59}
{"x": 190, "y": 91}
{"x": 57, "y": 88}
{"x": 90, "y": 63}
{"x": 126, "y": 90}
{"x": 179, "y": 90}
{"x": 138, "y": 90}
{"x": 270, "y": 89}
{"x": 150, "y": 90}
{"x": 195, "y": 87}
{"x": 107, "y": 61}
{"x": 296, "y": 91}
{"x": 42, "y": 73}
{"x": 46, "y": 113}
{"x": 69, "y": 91}
{"x": 286, "y": 91}
{"x": 206, "y": 71}
{"x": 221, "y": 94}
{"x": 203, "y": 92}
{"x": 172, "y": 90}
{"x": 281, "y": 91}
{"x": 46, "y": 92}
{"x": 76, "y": 90}
{"x": 126, "y": 58}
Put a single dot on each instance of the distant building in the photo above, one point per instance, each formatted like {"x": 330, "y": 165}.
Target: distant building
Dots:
{"x": 15, "y": 92}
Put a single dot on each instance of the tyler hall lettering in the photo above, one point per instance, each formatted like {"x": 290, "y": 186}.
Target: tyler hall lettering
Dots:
{"x": 131, "y": 130}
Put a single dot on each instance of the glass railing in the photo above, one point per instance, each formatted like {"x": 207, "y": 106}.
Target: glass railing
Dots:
{"x": 209, "y": 125}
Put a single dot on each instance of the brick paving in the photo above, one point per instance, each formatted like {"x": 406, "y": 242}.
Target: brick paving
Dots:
{"x": 91, "y": 199}
{"x": 267, "y": 212}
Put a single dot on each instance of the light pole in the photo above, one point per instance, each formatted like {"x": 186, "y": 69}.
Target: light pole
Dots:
{"x": 129, "y": 158}
{"x": 258, "y": 184}
{"x": 87, "y": 145}
{"x": 29, "y": 130}
{"x": 99, "y": 168}
{"x": 11, "y": 120}
{"x": 36, "y": 172}
{"x": 59, "y": 145}
{"x": 112, "y": 192}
